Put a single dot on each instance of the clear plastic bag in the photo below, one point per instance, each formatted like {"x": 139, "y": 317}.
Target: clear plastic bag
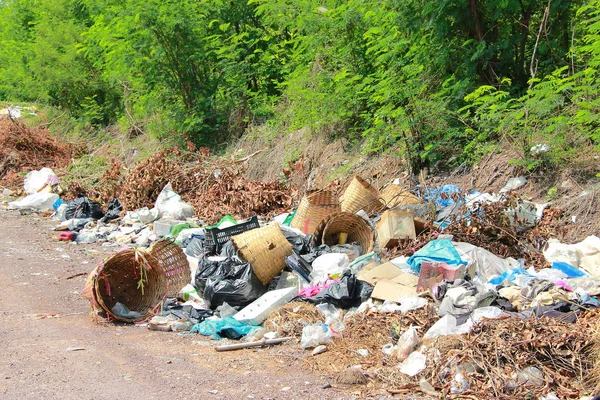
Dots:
{"x": 332, "y": 317}
{"x": 171, "y": 205}
{"x": 315, "y": 335}
{"x": 407, "y": 343}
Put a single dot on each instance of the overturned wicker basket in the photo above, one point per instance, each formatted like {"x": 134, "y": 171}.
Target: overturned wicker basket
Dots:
{"x": 313, "y": 208}
{"x": 360, "y": 195}
{"x": 396, "y": 196}
{"x": 265, "y": 249}
{"x": 354, "y": 225}
{"x": 137, "y": 279}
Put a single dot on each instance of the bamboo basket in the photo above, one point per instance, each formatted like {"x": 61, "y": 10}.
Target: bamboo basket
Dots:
{"x": 265, "y": 249}
{"x": 395, "y": 196}
{"x": 354, "y": 225}
{"x": 173, "y": 263}
{"x": 313, "y": 208}
{"x": 360, "y": 195}
{"x": 131, "y": 277}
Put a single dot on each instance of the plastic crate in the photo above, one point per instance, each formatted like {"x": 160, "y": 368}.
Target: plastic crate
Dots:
{"x": 216, "y": 238}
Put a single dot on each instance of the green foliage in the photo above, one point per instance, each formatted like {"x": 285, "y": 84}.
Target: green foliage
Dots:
{"x": 438, "y": 82}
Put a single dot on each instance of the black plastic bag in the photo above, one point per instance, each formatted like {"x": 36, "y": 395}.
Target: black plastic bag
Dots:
{"x": 205, "y": 270}
{"x": 82, "y": 207}
{"x": 228, "y": 281}
{"x": 186, "y": 312}
{"x": 195, "y": 246}
{"x": 300, "y": 244}
{"x": 348, "y": 292}
{"x": 114, "y": 210}
{"x": 316, "y": 252}
{"x": 228, "y": 250}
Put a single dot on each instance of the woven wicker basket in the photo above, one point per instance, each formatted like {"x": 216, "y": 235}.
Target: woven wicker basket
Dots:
{"x": 265, "y": 249}
{"x": 355, "y": 226}
{"x": 395, "y": 196}
{"x": 313, "y": 208}
{"x": 118, "y": 279}
{"x": 173, "y": 263}
{"x": 360, "y": 195}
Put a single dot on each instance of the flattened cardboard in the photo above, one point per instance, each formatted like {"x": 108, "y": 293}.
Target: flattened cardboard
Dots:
{"x": 403, "y": 285}
{"x": 379, "y": 272}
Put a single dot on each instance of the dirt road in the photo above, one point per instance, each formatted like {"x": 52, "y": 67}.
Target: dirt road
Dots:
{"x": 44, "y": 322}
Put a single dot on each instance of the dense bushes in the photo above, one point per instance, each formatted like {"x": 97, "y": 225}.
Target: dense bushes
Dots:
{"x": 436, "y": 80}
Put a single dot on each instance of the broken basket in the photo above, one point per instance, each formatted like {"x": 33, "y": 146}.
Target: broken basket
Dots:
{"x": 313, "y": 208}
{"x": 360, "y": 195}
{"x": 265, "y": 249}
{"x": 354, "y": 225}
{"x": 130, "y": 277}
{"x": 139, "y": 279}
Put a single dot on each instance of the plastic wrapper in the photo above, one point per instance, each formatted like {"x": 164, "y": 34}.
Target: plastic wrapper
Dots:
{"x": 171, "y": 205}
{"x": 228, "y": 281}
{"x": 407, "y": 343}
{"x": 315, "y": 335}
{"x": 82, "y": 207}
{"x": 348, "y": 292}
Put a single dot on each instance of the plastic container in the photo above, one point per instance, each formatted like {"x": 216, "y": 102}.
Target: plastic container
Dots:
{"x": 216, "y": 238}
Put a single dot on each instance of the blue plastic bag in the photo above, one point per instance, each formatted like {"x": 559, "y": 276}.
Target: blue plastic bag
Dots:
{"x": 58, "y": 203}
{"x": 569, "y": 270}
{"x": 226, "y": 327}
{"x": 510, "y": 275}
{"x": 442, "y": 196}
{"x": 441, "y": 250}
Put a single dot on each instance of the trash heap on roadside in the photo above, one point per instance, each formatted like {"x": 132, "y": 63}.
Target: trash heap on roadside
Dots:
{"x": 404, "y": 288}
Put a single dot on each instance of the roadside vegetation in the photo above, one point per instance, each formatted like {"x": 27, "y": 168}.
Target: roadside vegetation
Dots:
{"x": 440, "y": 83}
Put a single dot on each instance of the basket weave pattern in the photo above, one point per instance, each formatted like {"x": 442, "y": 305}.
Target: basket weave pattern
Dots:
{"x": 117, "y": 280}
{"x": 173, "y": 263}
{"x": 355, "y": 226}
{"x": 265, "y": 249}
{"x": 138, "y": 279}
{"x": 360, "y": 195}
{"x": 313, "y": 208}
{"x": 395, "y": 196}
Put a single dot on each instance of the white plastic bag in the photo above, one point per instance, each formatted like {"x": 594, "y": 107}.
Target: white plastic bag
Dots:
{"x": 36, "y": 180}
{"x": 38, "y": 201}
{"x": 315, "y": 335}
{"x": 170, "y": 204}
{"x": 447, "y": 325}
{"x": 407, "y": 343}
{"x": 413, "y": 364}
{"x": 412, "y": 303}
{"x": 328, "y": 264}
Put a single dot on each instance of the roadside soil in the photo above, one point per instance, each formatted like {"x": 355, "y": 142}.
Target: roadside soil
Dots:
{"x": 52, "y": 349}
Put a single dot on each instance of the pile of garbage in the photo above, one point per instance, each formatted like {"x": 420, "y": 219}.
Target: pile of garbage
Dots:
{"x": 39, "y": 149}
{"x": 441, "y": 291}
{"x": 214, "y": 187}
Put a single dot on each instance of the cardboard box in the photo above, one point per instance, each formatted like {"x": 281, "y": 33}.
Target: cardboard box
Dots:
{"x": 395, "y": 225}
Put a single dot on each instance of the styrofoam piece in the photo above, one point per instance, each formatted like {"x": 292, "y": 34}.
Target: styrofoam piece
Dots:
{"x": 257, "y": 311}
